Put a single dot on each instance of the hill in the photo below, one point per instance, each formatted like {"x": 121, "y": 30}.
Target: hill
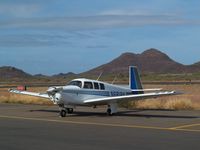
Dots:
{"x": 64, "y": 75}
{"x": 8, "y": 72}
{"x": 150, "y": 61}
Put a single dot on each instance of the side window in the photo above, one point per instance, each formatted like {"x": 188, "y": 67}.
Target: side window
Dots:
{"x": 102, "y": 87}
{"x": 88, "y": 85}
{"x": 76, "y": 83}
{"x": 96, "y": 85}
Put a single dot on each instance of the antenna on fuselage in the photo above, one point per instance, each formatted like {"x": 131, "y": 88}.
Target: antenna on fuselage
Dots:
{"x": 99, "y": 76}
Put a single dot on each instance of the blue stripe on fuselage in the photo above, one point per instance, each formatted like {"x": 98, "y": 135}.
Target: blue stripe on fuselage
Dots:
{"x": 98, "y": 93}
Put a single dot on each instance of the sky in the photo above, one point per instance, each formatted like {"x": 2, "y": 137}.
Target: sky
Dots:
{"x": 54, "y": 36}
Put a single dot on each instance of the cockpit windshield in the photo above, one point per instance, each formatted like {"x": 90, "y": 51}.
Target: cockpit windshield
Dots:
{"x": 76, "y": 83}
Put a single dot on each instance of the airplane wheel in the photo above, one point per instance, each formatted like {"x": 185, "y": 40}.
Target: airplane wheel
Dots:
{"x": 63, "y": 113}
{"x": 109, "y": 112}
{"x": 70, "y": 110}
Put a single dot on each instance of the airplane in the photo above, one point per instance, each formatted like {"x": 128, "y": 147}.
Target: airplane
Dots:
{"x": 86, "y": 92}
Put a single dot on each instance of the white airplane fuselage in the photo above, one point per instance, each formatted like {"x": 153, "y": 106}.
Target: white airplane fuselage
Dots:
{"x": 76, "y": 95}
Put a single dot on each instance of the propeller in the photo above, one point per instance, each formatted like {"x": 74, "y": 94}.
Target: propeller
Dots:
{"x": 55, "y": 94}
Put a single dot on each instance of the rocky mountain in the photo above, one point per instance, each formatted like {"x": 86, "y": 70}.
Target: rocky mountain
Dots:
{"x": 150, "y": 61}
{"x": 194, "y": 67}
{"x": 64, "y": 75}
{"x": 7, "y": 72}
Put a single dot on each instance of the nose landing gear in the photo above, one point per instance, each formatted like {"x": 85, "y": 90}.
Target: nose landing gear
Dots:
{"x": 64, "y": 111}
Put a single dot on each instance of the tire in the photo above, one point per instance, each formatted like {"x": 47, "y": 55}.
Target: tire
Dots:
{"x": 109, "y": 112}
{"x": 63, "y": 113}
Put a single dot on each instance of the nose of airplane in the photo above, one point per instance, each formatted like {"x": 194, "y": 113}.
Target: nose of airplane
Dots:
{"x": 55, "y": 94}
{"x": 57, "y": 98}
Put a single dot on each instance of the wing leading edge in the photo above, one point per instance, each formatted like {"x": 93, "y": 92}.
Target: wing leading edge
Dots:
{"x": 42, "y": 95}
{"x": 107, "y": 100}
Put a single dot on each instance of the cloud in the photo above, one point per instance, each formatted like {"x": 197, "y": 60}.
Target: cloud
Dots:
{"x": 32, "y": 40}
{"x": 18, "y": 10}
{"x": 95, "y": 22}
{"x": 97, "y": 46}
{"x": 75, "y": 27}
{"x": 125, "y": 12}
{"x": 35, "y": 39}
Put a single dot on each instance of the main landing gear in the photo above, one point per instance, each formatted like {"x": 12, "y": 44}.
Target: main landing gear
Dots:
{"x": 64, "y": 111}
{"x": 112, "y": 108}
{"x": 109, "y": 112}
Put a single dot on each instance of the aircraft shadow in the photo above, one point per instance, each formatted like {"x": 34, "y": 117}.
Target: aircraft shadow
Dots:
{"x": 132, "y": 114}
{"x": 45, "y": 110}
{"x": 128, "y": 113}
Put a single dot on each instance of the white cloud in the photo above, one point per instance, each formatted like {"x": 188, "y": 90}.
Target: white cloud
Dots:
{"x": 32, "y": 40}
{"x": 141, "y": 12}
{"x": 123, "y": 12}
{"x": 18, "y": 10}
{"x": 95, "y": 22}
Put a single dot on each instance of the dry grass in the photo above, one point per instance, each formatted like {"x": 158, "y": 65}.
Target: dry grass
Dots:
{"x": 6, "y": 97}
{"x": 188, "y": 101}
{"x": 171, "y": 103}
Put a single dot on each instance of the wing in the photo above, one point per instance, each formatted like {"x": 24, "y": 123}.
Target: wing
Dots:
{"x": 146, "y": 90}
{"x": 107, "y": 100}
{"x": 42, "y": 95}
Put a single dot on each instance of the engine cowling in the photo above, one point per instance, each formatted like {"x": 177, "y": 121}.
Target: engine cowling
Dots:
{"x": 57, "y": 98}
{"x": 55, "y": 94}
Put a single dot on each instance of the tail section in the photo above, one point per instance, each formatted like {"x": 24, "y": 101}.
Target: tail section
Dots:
{"x": 134, "y": 80}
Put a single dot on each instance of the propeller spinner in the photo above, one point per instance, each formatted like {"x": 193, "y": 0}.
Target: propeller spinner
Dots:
{"x": 55, "y": 94}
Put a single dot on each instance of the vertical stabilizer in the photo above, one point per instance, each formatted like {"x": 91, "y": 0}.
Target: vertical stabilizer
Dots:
{"x": 134, "y": 79}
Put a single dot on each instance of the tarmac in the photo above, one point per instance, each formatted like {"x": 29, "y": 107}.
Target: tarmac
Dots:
{"x": 39, "y": 127}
